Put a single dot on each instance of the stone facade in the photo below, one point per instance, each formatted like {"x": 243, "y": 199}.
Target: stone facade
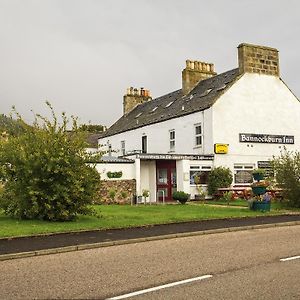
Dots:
{"x": 124, "y": 191}
{"x": 194, "y": 72}
{"x": 135, "y": 97}
{"x": 258, "y": 59}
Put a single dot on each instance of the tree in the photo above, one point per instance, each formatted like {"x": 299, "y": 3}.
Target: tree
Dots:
{"x": 287, "y": 175}
{"x": 219, "y": 177}
{"x": 91, "y": 128}
{"x": 45, "y": 173}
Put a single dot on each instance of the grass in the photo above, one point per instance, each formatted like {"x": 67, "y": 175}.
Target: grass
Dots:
{"x": 121, "y": 216}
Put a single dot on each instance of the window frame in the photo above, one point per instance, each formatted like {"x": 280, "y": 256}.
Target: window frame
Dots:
{"x": 172, "y": 139}
{"x": 198, "y": 135}
{"x": 144, "y": 144}
{"x": 123, "y": 147}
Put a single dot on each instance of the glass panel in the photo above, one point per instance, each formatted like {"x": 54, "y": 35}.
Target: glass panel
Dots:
{"x": 162, "y": 176}
{"x": 173, "y": 178}
{"x": 198, "y": 140}
{"x": 198, "y": 129}
{"x": 199, "y": 177}
{"x": 243, "y": 176}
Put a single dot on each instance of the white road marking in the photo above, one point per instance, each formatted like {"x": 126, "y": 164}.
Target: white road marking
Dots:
{"x": 160, "y": 287}
{"x": 290, "y": 258}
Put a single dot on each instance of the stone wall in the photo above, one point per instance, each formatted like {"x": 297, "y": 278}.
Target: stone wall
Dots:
{"x": 124, "y": 191}
{"x": 258, "y": 59}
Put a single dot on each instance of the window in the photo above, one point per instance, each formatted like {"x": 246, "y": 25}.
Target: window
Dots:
{"x": 138, "y": 115}
{"x": 144, "y": 144}
{"x": 198, "y": 135}
{"x": 154, "y": 109}
{"x": 169, "y": 104}
{"x": 172, "y": 139}
{"x": 199, "y": 174}
{"x": 243, "y": 173}
{"x": 123, "y": 147}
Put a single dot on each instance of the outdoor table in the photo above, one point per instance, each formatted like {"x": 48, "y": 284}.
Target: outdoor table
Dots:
{"x": 243, "y": 192}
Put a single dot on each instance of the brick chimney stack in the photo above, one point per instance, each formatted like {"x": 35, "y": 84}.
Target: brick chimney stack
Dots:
{"x": 134, "y": 97}
{"x": 194, "y": 72}
{"x": 258, "y": 59}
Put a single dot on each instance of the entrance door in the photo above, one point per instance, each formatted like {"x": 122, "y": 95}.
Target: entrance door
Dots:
{"x": 165, "y": 179}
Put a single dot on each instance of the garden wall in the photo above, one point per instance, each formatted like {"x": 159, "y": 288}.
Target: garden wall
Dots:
{"x": 124, "y": 191}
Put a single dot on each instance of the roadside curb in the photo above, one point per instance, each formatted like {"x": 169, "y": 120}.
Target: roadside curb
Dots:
{"x": 140, "y": 240}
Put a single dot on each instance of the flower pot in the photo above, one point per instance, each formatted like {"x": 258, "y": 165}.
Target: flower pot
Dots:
{"x": 259, "y": 190}
{"x": 261, "y": 205}
{"x": 258, "y": 176}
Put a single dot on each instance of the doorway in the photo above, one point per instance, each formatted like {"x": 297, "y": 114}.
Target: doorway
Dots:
{"x": 166, "y": 182}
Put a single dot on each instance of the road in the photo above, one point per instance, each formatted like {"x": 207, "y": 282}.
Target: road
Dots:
{"x": 243, "y": 265}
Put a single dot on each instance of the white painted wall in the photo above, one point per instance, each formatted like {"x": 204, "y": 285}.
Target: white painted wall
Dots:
{"x": 258, "y": 104}
{"x": 127, "y": 169}
{"x": 158, "y": 136}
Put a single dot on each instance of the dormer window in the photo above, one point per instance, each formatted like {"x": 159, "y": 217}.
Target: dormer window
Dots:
{"x": 205, "y": 93}
{"x": 169, "y": 104}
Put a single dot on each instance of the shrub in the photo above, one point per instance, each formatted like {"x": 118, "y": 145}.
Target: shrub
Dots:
{"x": 181, "y": 196}
{"x": 287, "y": 175}
{"x": 219, "y": 177}
{"x": 112, "y": 194}
{"x": 114, "y": 174}
{"x": 44, "y": 171}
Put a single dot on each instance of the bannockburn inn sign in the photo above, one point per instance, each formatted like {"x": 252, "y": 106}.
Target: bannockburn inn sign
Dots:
{"x": 266, "y": 138}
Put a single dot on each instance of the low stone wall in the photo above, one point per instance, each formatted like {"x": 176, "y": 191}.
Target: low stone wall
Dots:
{"x": 116, "y": 191}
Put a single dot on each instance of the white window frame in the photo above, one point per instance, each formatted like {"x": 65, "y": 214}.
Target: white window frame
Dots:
{"x": 242, "y": 167}
{"x": 197, "y": 168}
{"x": 123, "y": 147}
{"x": 172, "y": 137}
{"x": 198, "y": 135}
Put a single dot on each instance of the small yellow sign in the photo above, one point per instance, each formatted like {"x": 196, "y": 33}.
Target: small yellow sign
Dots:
{"x": 221, "y": 148}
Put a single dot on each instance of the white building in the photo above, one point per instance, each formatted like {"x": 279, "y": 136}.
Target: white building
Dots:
{"x": 239, "y": 119}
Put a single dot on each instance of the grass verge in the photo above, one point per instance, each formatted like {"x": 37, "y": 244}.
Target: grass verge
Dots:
{"x": 122, "y": 216}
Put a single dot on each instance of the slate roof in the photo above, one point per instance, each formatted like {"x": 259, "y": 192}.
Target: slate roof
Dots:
{"x": 113, "y": 159}
{"x": 203, "y": 96}
{"x": 92, "y": 139}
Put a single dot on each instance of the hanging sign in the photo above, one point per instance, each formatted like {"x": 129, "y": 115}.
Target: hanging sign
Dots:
{"x": 221, "y": 148}
{"x": 266, "y": 138}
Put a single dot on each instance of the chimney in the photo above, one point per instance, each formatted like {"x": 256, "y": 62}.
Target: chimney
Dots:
{"x": 194, "y": 72}
{"x": 134, "y": 97}
{"x": 258, "y": 59}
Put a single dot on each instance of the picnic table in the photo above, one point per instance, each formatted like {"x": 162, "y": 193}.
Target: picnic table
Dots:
{"x": 237, "y": 192}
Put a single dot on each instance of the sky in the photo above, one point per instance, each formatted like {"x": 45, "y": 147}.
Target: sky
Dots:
{"x": 82, "y": 55}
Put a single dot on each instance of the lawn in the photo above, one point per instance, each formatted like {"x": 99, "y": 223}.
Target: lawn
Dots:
{"x": 118, "y": 216}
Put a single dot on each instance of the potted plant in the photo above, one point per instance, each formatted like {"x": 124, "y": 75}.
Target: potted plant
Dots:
{"x": 258, "y": 174}
{"x": 145, "y": 194}
{"x": 259, "y": 187}
{"x": 181, "y": 196}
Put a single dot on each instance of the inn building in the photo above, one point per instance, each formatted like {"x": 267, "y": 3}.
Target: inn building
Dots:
{"x": 238, "y": 119}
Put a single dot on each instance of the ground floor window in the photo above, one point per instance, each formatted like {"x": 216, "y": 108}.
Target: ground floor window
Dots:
{"x": 199, "y": 174}
{"x": 243, "y": 173}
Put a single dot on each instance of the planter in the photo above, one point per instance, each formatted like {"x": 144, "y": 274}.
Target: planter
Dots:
{"x": 259, "y": 190}
{"x": 261, "y": 205}
{"x": 258, "y": 176}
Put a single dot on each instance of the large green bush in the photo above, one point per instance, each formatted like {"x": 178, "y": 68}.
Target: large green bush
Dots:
{"x": 219, "y": 177}
{"x": 287, "y": 176}
{"x": 44, "y": 171}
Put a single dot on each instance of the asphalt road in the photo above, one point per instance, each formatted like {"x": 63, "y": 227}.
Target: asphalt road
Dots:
{"x": 243, "y": 265}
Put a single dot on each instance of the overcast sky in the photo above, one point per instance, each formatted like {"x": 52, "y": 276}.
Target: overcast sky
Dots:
{"x": 81, "y": 55}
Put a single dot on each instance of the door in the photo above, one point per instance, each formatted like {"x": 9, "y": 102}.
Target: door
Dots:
{"x": 165, "y": 179}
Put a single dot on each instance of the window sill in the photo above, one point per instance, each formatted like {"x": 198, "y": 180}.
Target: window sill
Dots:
{"x": 197, "y": 147}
